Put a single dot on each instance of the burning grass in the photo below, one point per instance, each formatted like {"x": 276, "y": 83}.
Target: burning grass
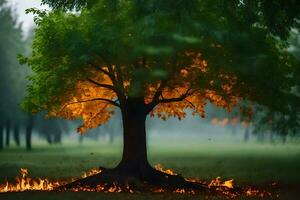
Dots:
{"x": 224, "y": 188}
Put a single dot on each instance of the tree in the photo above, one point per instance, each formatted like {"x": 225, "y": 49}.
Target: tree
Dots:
{"x": 50, "y": 129}
{"x": 10, "y": 45}
{"x": 157, "y": 58}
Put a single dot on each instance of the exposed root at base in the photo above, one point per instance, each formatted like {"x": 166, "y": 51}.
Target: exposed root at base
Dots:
{"x": 141, "y": 179}
{"x": 146, "y": 180}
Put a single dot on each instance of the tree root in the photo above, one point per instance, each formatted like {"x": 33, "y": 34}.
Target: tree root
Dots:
{"x": 147, "y": 179}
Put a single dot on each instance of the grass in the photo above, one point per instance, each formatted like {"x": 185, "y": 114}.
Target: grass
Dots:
{"x": 248, "y": 164}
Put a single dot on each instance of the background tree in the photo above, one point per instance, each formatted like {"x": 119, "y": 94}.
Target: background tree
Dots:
{"x": 158, "y": 58}
{"x": 11, "y": 45}
{"x": 50, "y": 129}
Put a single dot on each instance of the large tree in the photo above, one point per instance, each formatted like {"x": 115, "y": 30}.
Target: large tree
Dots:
{"x": 158, "y": 58}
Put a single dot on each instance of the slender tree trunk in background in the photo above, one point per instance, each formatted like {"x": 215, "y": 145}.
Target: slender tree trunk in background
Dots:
{"x": 17, "y": 134}
{"x": 260, "y": 137}
{"x": 1, "y": 137}
{"x": 233, "y": 129}
{"x": 57, "y": 138}
{"x": 7, "y": 141}
{"x": 283, "y": 139}
{"x": 28, "y": 135}
{"x": 49, "y": 138}
{"x": 246, "y": 134}
{"x": 111, "y": 137}
{"x": 80, "y": 138}
{"x": 271, "y": 137}
{"x": 134, "y": 158}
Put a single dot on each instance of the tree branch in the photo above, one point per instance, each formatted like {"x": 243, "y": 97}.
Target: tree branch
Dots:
{"x": 118, "y": 83}
{"x": 191, "y": 103}
{"x": 96, "y": 99}
{"x": 176, "y": 99}
{"x": 102, "y": 70}
{"x": 111, "y": 74}
{"x": 107, "y": 86}
{"x": 155, "y": 99}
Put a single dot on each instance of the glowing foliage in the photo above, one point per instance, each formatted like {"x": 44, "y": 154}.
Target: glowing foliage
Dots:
{"x": 92, "y": 99}
{"x": 85, "y": 102}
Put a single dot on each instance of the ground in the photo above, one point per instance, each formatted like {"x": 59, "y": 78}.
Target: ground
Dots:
{"x": 248, "y": 164}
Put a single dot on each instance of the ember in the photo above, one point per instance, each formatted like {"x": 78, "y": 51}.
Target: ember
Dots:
{"x": 25, "y": 183}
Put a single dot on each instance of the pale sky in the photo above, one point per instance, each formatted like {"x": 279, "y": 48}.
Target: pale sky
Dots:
{"x": 21, "y": 6}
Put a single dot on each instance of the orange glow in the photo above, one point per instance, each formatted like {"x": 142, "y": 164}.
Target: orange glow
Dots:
{"x": 217, "y": 182}
{"x": 159, "y": 167}
{"x": 25, "y": 183}
{"x": 80, "y": 103}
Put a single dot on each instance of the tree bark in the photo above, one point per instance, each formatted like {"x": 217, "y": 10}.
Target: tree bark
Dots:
{"x": 17, "y": 134}
{"x": 29, "y": 128}
{"x": 134, "y": 158}
{"x": 1, "y": 137}
{"x": 7, "y": 139}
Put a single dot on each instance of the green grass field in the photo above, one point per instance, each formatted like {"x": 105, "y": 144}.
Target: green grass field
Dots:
{"x": 248, "y": 164}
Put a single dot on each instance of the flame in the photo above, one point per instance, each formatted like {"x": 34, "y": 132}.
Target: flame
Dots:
{"x": 25, "y": 183}
{"x": 114, "y": 188}
{"x": 91, "y": 172}
{"x": 217, "y": 182}
{"x": 180, "y": 191}
{"x": 159, "y": 167}
{"x": 158, "y": 190}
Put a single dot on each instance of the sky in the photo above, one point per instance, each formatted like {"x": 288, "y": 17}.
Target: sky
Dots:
{"x": 21, "y": 6}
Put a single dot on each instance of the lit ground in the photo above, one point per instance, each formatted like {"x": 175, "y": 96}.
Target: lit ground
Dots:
{"x": 248, "y": 164}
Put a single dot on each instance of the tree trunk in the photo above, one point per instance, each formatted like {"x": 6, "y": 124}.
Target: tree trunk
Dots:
{"x": 246, "y": 134}
{"x": 57, "y": 138}
{"x": 111, "y": 137}
{"x": 233, "y": 129}
{"x": 134, "y": 170}
{"x": 80, "y": 138}
{"x": 29, "y": 128}
{"x": 134, "y": 158}
{"x": 49, "y": 138}
{"x": 17, "y": 134}
{"x": 7, "y": 141}
{"x": 1, "y": 137}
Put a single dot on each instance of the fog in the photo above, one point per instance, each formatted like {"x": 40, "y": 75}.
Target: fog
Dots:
{"x": 26, "y": 19}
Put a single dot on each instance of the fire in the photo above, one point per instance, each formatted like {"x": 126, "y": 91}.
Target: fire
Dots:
{"x": 91, "y": 172}
{"x": 159, "y": 167}
{"x": 217, "y": 182}
{"x": 25, "y": 183}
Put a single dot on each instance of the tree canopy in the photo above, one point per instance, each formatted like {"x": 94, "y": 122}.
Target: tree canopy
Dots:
{"x": 175, "y": 55}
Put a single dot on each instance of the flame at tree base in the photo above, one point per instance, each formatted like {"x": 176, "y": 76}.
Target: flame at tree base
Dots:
{"x": 226, "y": 188}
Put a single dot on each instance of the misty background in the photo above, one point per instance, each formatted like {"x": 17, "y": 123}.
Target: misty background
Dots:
{"x": 25, "y": 131}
